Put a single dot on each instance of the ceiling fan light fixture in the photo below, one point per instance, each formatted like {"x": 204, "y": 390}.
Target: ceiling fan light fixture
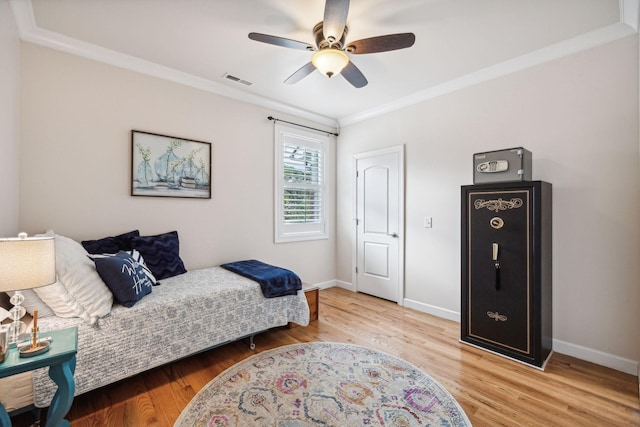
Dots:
{"x": 330, "y": 61}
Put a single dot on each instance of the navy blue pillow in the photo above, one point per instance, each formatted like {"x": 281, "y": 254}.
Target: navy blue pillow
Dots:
{"x": 161, "y": 253}
{"x": 111, "y": 244}
{"x": 125, "y": 277}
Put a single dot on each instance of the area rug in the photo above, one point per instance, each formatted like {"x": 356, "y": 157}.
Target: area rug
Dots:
{"x": 322, "y": 384}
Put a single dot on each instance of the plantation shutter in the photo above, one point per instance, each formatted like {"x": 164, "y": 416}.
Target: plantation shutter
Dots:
{"x": 300, "y": 185}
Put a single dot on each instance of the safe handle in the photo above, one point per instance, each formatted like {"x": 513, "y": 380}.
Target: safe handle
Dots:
{"x": 496, "y": 252}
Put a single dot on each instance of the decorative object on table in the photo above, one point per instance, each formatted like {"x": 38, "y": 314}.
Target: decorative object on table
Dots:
{"x": 4, "y": 343}
{"x": 25, "y": 263}
{"x": 166, "y": 166}
{"x": 35, "y": 347}
{"x": 323, "y": 384}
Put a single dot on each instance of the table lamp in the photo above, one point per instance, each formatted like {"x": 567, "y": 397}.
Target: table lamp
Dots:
{"x": 25, "y": 263}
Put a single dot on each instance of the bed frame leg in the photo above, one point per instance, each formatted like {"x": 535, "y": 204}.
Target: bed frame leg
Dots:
{"x": 36, "y": 415}
{"x": 252, "y": 345}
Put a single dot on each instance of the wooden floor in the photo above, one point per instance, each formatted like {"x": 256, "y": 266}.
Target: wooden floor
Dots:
{"x": 492, "y": 390}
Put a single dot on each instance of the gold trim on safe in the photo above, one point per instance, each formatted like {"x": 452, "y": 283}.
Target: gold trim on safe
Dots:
{"x": 469, "y": 205}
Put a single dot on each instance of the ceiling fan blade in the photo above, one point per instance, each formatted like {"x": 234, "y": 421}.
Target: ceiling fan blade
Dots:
{"x": 354, "y": 75}
{"x": 382, "y": 43}
{"x": 335, "y": 19}
{"x": 300, "y": 74}
{"x": 280, "y": 41}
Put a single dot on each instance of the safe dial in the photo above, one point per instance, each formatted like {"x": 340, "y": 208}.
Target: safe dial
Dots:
{"x": 496, "y": 223}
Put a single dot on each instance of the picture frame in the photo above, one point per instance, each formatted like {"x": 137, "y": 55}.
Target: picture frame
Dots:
{"x": 169, "y": 166}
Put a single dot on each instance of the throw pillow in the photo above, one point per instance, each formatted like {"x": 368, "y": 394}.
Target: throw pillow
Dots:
{"x": 111, "y": 244}
{"x": 61, "y": 302}
{"x": 137, "y": 258}
{"x": 78, "y": 275}
{"x": 161, "y": 253}
{"x": 58, "y": 298}
{"x": 125, "y": 277}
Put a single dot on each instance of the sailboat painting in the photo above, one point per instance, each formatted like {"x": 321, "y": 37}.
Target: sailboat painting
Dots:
{"x": 166, "y": 166}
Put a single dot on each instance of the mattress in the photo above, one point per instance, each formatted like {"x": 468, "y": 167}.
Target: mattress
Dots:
{"x": 185, "y": 315}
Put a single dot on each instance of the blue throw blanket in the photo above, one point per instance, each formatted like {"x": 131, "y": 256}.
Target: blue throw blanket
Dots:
{"x": 274, "y": 281}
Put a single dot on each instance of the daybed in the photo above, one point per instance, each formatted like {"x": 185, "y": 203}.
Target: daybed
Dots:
{"x": 186, "y": 314}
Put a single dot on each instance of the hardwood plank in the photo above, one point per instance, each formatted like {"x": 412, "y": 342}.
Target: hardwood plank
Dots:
{"x": 493, "y": 391}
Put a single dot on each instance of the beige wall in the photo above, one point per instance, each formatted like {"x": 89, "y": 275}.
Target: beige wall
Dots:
{"x": 76, "y": 120}
{"x": 579, "y": 117}
{"x": 9, "y": 131}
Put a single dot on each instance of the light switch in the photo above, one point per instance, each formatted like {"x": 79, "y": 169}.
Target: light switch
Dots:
{"x": 427, "y": 222}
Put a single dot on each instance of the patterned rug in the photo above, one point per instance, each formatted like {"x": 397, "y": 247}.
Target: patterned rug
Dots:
{"x": 327, "y": 384}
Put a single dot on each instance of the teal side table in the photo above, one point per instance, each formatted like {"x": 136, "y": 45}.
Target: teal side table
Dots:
{"x": 61, "y": 360}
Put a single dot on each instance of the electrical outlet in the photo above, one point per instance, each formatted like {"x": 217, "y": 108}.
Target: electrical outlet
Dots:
{"x": 427, "y": 222}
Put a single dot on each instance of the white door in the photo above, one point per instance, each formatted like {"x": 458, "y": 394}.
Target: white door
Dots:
{"x": 379, "y": 207}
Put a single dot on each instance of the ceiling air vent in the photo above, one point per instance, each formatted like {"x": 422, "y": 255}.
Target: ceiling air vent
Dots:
{"x": 237, "y": 79}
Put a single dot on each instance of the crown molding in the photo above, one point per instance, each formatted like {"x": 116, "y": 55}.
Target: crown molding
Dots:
{"x": 628, "y": 25}
{"x": 29, "y": 32}
{"x": 630, "y": 13}
{"x": 23, "y": 14}
{"x": 559, "y": 50}
{"x": 22, "y": 11}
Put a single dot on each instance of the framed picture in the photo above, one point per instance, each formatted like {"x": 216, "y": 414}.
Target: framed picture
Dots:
{"x": 167, "y": 166}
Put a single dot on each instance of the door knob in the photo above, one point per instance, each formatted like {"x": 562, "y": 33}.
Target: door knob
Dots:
{"x": 394, "y": 235}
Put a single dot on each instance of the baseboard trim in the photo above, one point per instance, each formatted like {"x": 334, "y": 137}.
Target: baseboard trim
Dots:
{"x": 327, "y": 284}
{"x": 345, "y": 285}
{"x": 432, "y": 309}
{"x": 598, "y": 357}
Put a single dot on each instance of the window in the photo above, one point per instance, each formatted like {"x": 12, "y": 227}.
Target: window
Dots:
{"x": 300, "y": 185}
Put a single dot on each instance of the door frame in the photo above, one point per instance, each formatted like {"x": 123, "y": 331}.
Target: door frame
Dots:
{"x": 399, "y": 149}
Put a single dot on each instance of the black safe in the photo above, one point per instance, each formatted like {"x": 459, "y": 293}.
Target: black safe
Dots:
{"x": 506, "y": 269}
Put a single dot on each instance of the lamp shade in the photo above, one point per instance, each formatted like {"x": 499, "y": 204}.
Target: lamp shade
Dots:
{"x": 330, "y": 61}
{"x": 27, "y": 262}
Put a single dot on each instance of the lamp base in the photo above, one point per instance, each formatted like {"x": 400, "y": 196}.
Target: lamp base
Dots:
{"x": 16, "y": 329}
{"x": 16, "y": 313}
{"x": 29, "y": 351}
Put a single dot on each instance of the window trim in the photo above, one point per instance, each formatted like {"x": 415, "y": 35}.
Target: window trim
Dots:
{"x": 283, "y": 232}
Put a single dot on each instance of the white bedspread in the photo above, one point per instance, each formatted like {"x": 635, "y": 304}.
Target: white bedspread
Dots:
{"x": 186, "y": 314}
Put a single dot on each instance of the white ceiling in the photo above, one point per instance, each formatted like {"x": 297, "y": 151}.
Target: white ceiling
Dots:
{"x": 196, "y": 42}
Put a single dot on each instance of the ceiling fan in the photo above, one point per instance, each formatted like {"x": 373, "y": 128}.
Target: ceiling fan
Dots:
{"x": 331, "y": 54}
